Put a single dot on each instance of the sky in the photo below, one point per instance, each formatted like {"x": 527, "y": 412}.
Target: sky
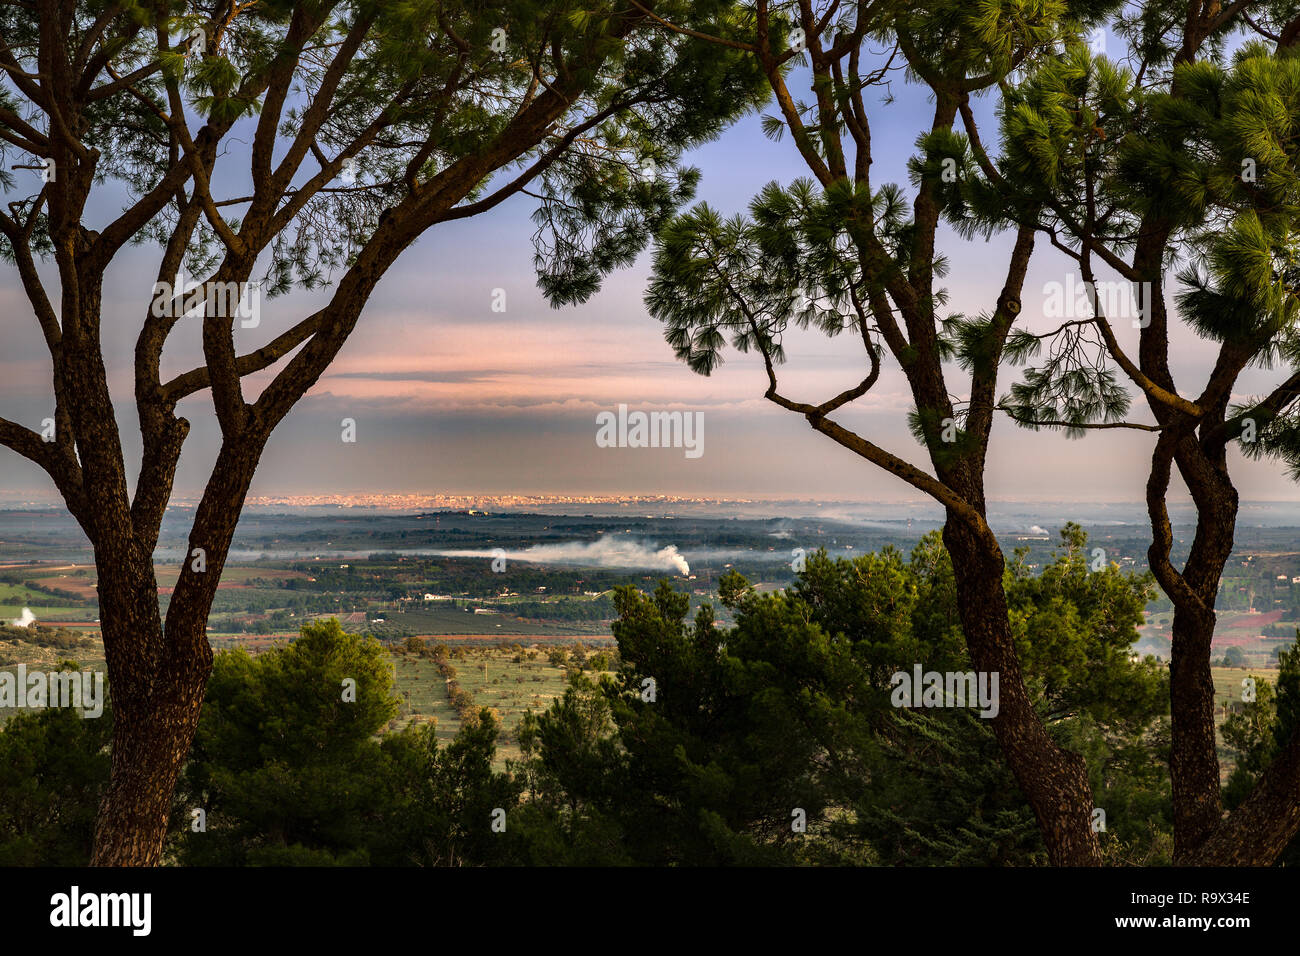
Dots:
{"x": 449, "y": 396}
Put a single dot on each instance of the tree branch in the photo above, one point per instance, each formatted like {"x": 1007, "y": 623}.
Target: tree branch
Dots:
{"x": 199, "y": 378}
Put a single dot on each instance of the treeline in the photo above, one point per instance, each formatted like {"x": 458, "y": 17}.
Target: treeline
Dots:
{"x": 1281, "y": 629}
{"x": 779, "y": 740}
{"x": 565, "y": 609}
{"x": 283, "y": 613}
{"x": 466, "y": 577}
{"x": 60, "y": 597}
{"x": 461, "y": 699}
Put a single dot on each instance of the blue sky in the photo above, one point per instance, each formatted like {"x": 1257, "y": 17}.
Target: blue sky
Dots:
{"x": 449, "y": 396}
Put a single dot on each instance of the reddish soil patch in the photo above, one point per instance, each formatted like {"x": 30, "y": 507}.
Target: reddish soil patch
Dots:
{"x": 1252, "y": 622}
{"x": 78, "y": 586}
{"x": 1221, "y": 641}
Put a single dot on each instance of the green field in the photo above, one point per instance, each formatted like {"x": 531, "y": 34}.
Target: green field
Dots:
{"x": 44, "y": 658}
{"x": 16, "y": 594}
{"x": 489, "y": 673}
{"x": 89, "y": 652}
{"x": 494, "y": 678}
{"x": 45, "y": 614}
{"x": 15, "y": 597}
{"x": 1227, "y": 689}
{"x": 1227, "y": 682}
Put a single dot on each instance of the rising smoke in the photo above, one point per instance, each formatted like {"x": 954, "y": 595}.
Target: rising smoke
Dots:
{"x": 605, "y": 552}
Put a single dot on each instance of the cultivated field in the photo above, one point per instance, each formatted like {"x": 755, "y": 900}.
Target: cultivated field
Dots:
{"x": 507, "y": 680}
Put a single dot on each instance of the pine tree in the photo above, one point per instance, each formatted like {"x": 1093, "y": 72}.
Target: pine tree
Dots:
{"x": 845, "y": 254}
{"x": 366, "y": 123}
{"x": 1184, "y": 157}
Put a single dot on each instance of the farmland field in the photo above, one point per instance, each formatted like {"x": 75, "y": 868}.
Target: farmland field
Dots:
{"x": 447, "y": 620}
{"x": 494, "y": 678}
{"x": 1227, "y": 682}
{"x": 488, "y": 671}
{"x": 11, "y": 610}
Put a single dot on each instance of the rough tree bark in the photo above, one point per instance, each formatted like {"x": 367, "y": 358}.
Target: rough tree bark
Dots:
{"x": 897, "y": 300}
{"x": 1193, "y": 438}
{"x": 158, "y": 669}
{"x": 1054, "y": 780}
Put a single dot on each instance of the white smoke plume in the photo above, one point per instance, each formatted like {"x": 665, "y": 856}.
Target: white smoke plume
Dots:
{"x": 605, "y": 552}
{"x": 25, "y": 619}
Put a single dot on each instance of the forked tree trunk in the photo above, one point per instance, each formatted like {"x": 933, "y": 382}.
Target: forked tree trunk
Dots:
{"x": 158, "y": 675}
{"x": 1256, "y": 833}
{"x": 1053, "y": 780}
{"x": 1193, "y": 755}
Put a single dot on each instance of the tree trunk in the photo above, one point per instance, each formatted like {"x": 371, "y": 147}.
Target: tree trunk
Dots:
{"x": 1257, "y": 832}
{"x": 1193, "y": 755}
{"x": 157, "y": 676}
{"x": 1053, "y": 780}
{"x": 157, "y": 689}
{"x": 151, "y": 740}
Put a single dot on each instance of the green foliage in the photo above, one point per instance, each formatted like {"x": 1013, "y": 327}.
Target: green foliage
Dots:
{"x": 1259, "y": 730}
{"x": 44, "y": 635}
{"x": 1074, "y": 628}
{"x": 790, "y": 708}
{"x": 426, "y": 86}
{"x": 444, "y": 798}
{"x": 1234, "y": 657}
{"x": 1210, "y": 153}
{"x": 54, "y": 768}
{"x": 289, "y": 773}
{"x": 745, "y": 279}
{"x": 571, "y": 767}
{"x": 950, "y": 41}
